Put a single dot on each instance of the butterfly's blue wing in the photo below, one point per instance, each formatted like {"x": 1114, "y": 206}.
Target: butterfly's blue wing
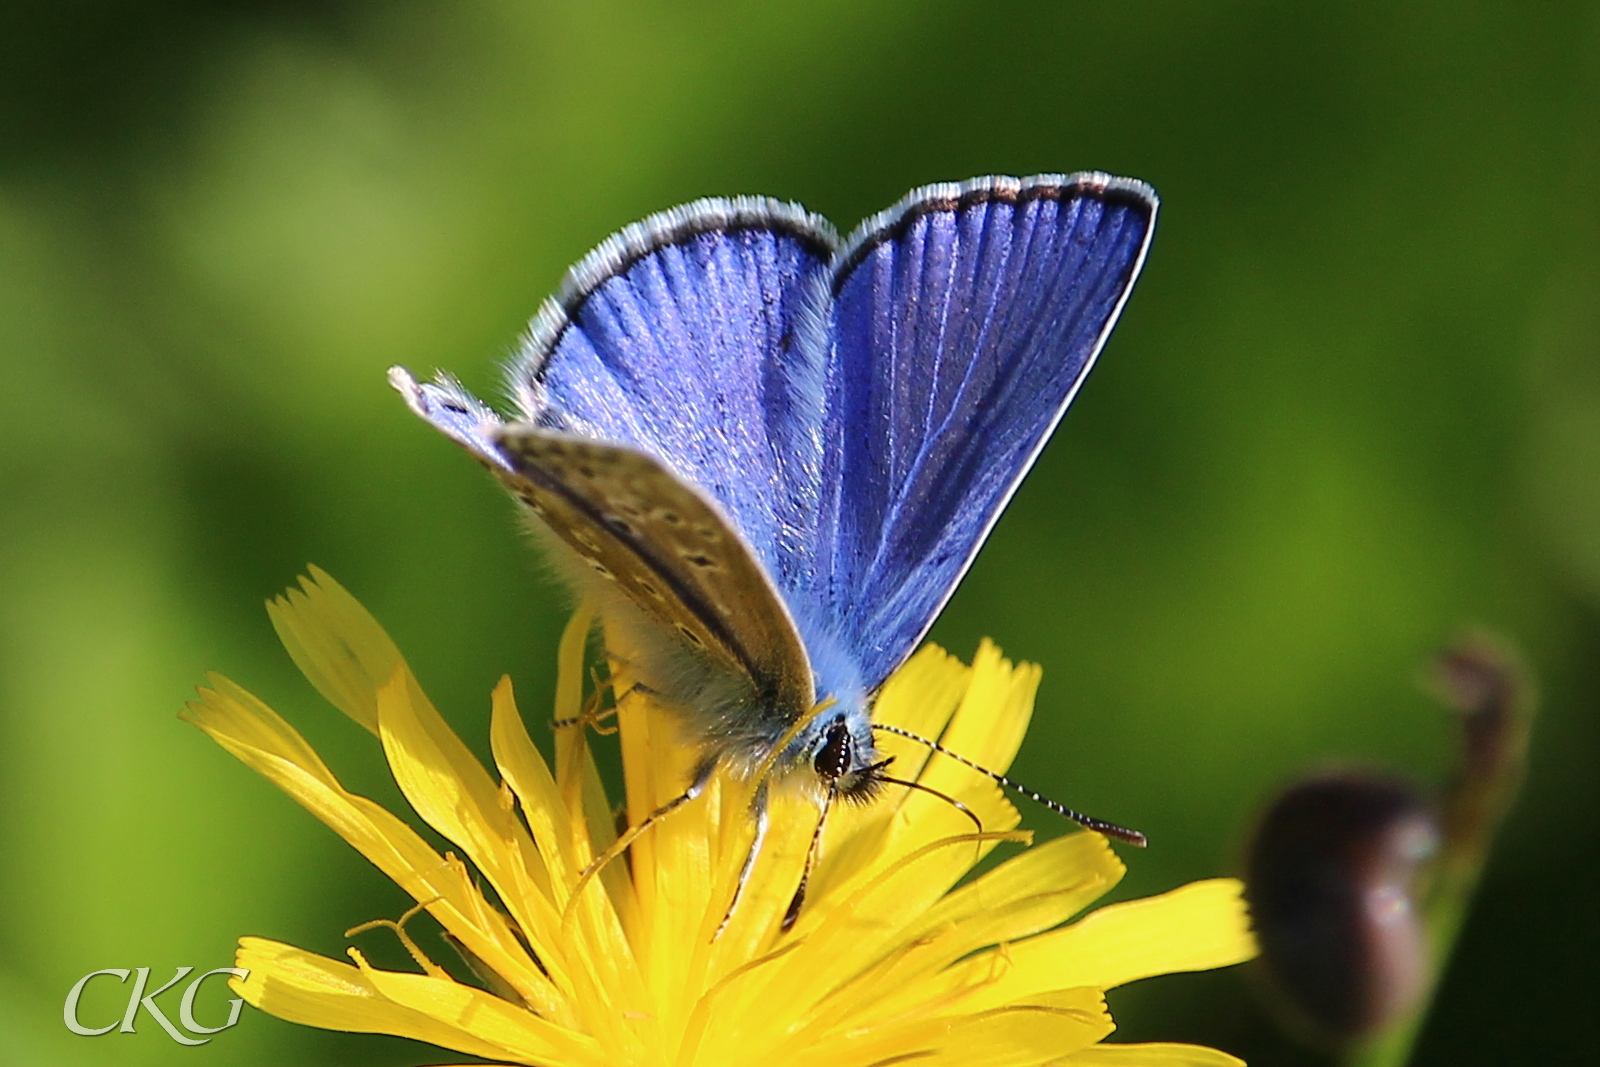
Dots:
{"x": 695, "y": 336}
{"x": 964, "y": 320}
{"x": 454, "y": 412}
{"x": 859, "y": 415}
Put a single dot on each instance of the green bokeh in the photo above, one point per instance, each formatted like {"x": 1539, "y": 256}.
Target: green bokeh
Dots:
{"x": 1354, "y": 404}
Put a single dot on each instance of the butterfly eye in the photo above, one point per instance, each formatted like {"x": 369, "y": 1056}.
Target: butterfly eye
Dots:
{"x": 833, "y": 759}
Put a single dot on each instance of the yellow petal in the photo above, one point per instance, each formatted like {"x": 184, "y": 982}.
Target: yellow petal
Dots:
{"x": 1071, "y": 871}
{"x": 526, "y": 771}
{"x": 753, "y": 926}
{"x": 313, "y": 990}
{"x": 449, "y": 788}
{"x": 845, "y": 937}
{"x": 441, "y": 778}
{"x": 336, "y": 643}
{"x": 1151, "y": 1055}
{"x": 658, "y": 765}
{"x": 1035, "y": 891}
{"x": 920, "y": 697}
{"x": 594, "y": 954}
{"x": 517, "y": 1032}
{"x": 1197, "y": 927}
{"x": 862, "y": 843}
{"x": 576, "y": 775}
{"x": 1018, "y": 1035}
{"x": 601, "y": 955}
{"x": 265, "y": 742}
{"x": 994, "y": 714}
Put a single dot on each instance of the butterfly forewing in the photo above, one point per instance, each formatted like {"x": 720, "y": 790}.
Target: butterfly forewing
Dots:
{"x": 668, "y": 548}
{"x": 686, "y": 336}
{"x": 964, "y": 321}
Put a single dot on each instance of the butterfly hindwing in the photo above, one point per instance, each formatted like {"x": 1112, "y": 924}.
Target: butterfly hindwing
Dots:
{"x": 667, "y": 548}
{"x": 964, "y": 320}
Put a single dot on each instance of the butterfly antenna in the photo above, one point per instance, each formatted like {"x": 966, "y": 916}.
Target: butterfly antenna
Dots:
{"x": 795, "y": 904}
{"x": 952, "y": 801}
{"x": 878, "y": 774}
{"x": 1088, "y": 822}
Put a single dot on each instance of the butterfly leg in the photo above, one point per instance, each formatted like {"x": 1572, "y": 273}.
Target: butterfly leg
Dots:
{"x": 793, "y": 913}
{"x": 702, "y": 778}
{"x": 758, "y": 812}
{"x": 592, "y": 715}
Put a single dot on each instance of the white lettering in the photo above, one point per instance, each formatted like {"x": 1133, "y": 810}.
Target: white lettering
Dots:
{"x": 186, "y": 1006}
{"x": 147, "y": 1001}
{"x": 140, "y": 999}
{"x": 69, "y": 1011}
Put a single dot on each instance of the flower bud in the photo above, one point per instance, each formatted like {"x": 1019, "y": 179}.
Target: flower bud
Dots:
{"x": 1332, "y": 885}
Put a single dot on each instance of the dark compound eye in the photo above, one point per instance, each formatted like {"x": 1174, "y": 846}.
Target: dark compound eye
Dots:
{"x": 834, "y": 756}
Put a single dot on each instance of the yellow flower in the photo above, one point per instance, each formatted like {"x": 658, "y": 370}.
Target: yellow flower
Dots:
{"x": 891, "y": 960}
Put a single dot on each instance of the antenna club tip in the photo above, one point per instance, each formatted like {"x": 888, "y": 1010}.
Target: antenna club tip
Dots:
{"x": 1123, "y": 834}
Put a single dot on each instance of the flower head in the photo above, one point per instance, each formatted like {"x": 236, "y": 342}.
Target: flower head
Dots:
{"x": 893, "y": 959}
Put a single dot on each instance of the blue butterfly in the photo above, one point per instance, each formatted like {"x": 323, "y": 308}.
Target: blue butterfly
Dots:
{"x": 771, "y": 455}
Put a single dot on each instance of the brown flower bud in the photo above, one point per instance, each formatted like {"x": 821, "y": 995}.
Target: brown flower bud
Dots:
{"x": 1332, "y": 873}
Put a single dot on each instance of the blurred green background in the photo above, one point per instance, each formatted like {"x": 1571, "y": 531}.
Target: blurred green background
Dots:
{"x": 1354, "y": 404}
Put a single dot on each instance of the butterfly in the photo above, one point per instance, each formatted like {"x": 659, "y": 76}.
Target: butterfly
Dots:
{"x": 770, "y": 454}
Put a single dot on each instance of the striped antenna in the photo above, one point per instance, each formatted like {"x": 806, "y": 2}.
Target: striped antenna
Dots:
{"x": 1099, "y": 826}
